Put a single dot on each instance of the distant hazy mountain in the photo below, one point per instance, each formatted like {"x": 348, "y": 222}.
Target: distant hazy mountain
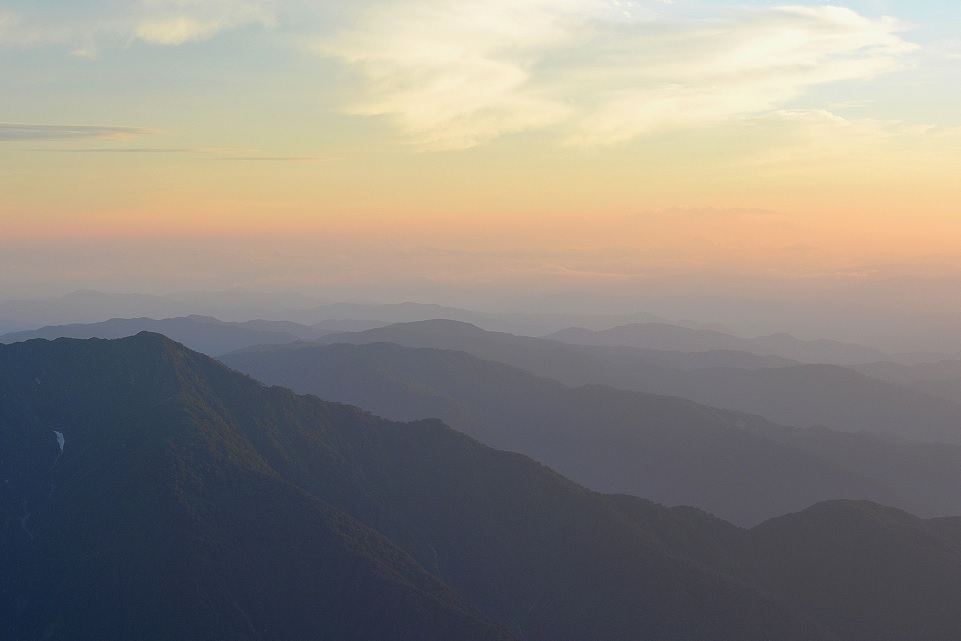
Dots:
{"x": 576, "y": 365}
{"x": 531, "y": 324}
{"x": 349, "y": 325}
{"x": 190, "y": 502}
{"x": 84, "y": 307}
{"x": 737, "y": 466}
{"x": 300, "y": 332}
{"x": 940, "y": 378}
{"x": 202, "y": 333}
{"x": 671, "y": 337}
{"x": 243, "y": 303}
{"x": 95, "y": 307}
{"x": 240, "y": 304}
{"x": 827, "y": 395}
{"x": 803, "y": 395}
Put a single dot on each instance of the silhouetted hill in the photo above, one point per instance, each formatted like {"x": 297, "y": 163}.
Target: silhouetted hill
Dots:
{"x": 202, "y": 333}
{"x": 190, "y": 502}
{"x": 737, "y": 466}
{"x": 871, "y": 572}
{"x": 802, "y": 395}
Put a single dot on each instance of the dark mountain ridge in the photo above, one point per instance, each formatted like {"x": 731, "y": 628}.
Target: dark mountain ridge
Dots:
{"x": 160, "y": 488}
{"x": 192, "y": 502}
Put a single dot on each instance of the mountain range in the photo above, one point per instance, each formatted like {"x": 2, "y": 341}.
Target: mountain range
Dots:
{"x": 798, "y": 395}
{"x": 149, "y": 492}
{"x": 239, "y": 304}
{"x": 922, "y": 402}
{"x": 738, "y": 466}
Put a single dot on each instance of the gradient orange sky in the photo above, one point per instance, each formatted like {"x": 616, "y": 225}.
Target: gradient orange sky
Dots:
{"x": 164, "y": 145}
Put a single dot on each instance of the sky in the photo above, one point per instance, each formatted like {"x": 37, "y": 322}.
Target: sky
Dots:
{"x": 401, "y": 149}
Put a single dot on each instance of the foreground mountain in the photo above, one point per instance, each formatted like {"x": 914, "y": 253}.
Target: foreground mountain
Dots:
{"x": 799, "y": 395}
{"x": 739, "y": 467}
{"x": 191, "y": 502}
{"x": 161, "y": 519}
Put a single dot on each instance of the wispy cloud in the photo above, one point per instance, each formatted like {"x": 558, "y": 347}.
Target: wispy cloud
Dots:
{"x": 86, "y": 26}
{"x": 173, "y": 23}
{"x": 23, "y": 132}
{"x": 456, "y": 73}
{"x": 453, "y": 74}
{"x": 945, "y": 50}
{"x": 805, "y": 136}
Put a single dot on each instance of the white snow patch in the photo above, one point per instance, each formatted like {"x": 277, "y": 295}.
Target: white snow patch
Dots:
{"x": 23, "y": 524}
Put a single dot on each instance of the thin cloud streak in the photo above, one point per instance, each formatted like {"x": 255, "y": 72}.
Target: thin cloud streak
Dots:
{"x": 24, "y": 132}
{"x": 223, "y": 154}
{"x": 455, "y": 74}
{"x": 282, "y": 158}
{"x": 125, "y": 150}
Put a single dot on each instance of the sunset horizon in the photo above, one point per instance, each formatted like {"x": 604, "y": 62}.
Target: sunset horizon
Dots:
{"x": 438, "y": 150}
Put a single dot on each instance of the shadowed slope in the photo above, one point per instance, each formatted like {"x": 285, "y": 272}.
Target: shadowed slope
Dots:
{"x": 164, "y": 521}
